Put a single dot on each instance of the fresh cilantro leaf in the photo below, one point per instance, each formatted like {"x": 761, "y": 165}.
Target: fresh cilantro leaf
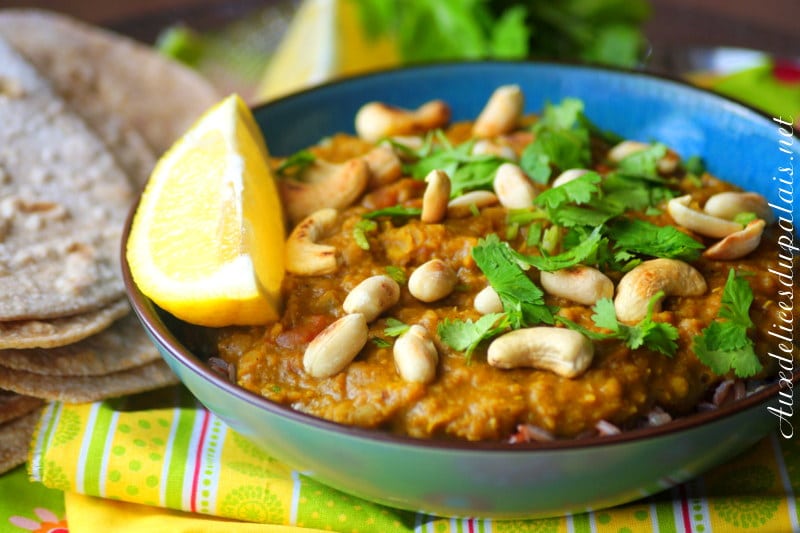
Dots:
{"x": 296, "y": 163}
{"x": 695, "y": 165}
{"x": 585, "y": 252}
{"x": 563, "y": 116}
{"x": 534, "y": 234}
{"x": 635, "y": 192}
{"x": 477, "y": 173}
{"x": 522, "y": 300}
{"x": 536, "y": 165}
{"x": 559, "y": 148}
{"x": 465, "y": 170}
{"x": 605, "y": 315}
{"x": 394, "y": 211}
{"x": 396, "y": 273}
{"x": 615, "y": 45}
{"x": 595, "y": 215}
{"x": 395, "y": 328}
{"x": 737, "y": 297}
{"x": 466, "y": 335}
{"x": 724, "y": 345}
{"x": 360, "y": 230}
{"x": 578, "y": 191}
{"x": 657, "y": 336}
{"x": 645, "y": 238}
{"x": 380, "y": 343}
{"x": 551, "y": 239}
{"x": 745, "y": 217}
{"x": 644, "y": 162}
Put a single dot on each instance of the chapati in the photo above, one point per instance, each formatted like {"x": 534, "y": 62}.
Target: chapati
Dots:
{"x": 13, "y": 405}
{"x": 60, "y": 331}
{"x": 15, "y": 436}
{"x": 122, "y": 346}
{"x": 80, "y": 389}
{"x": 63, "y": 200}
{"x": 106, "y": 75}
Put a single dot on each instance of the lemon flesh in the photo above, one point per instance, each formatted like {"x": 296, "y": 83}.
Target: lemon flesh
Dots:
{"x": 206, "y": 241}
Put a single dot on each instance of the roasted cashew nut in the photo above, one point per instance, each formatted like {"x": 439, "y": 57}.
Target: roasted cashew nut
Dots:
{"x": 487, "y": 301}
{"x": 665, "y": 165}
{"x": 513, "y": 188}
{"x": 462, "y": 206}
{"x": 372, "y": 297}
{"x": 415, "y": 355}
{"x": 436, "y": 197}
{"x": 377, "y": 120}
{"x": 384, "y": 166}
{"x": 304, "y": 256}
{"x": 559, "y": 350}
{"x": 487, "y": 147}
{"x": 501, "y": 113}
{"x": 737, "y": 244}
{"x": 568, "y": 175}
{"x": 699, "y": 222}
{"x": 582, "y": 284}
{"x": 336, "y": 346}
{"x": 432, "y": 281}
{"x": 638, "y": 286}
{"x": 326, "y": 185}
{"x": 729, "y": 204}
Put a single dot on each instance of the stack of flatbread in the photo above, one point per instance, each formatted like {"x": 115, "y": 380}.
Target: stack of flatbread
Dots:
{"x": 84, "y": 114}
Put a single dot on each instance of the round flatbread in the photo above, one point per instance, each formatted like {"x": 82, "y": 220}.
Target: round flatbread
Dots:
{"x": 63, "y": 201}
{"x": 15, "y": 436}
{"x": 25, "y": 334}
{"x": 122, "y": 346}
{"x": 106, "y": 75}
{"x": 81, "y": 389}
{"x": 13, "y": 405}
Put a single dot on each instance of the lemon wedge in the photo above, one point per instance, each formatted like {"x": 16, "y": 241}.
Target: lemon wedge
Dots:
{"x": 325, "y": 40}
{"x": 206, "y": 241}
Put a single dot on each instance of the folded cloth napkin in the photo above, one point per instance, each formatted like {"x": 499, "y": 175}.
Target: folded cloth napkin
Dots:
{"x": 165, "y": 453}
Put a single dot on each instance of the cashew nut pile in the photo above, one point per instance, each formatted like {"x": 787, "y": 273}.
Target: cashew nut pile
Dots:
{"x": 407, "y": 257}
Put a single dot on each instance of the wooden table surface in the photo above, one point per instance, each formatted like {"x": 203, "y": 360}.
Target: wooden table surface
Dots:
{"x": 769, "y": 25}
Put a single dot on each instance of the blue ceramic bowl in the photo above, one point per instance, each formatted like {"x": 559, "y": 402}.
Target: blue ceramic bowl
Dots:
{"x": 497, "y": 479}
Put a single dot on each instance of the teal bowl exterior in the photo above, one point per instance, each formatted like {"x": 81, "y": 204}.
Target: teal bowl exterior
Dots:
{"x": 500, "y": 480}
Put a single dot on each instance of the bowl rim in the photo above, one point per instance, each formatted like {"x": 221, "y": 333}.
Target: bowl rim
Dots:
{"x": 145, "y": 310}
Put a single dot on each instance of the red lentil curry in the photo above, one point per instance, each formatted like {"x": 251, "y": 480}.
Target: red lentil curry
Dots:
{"x": 633, "y": 210}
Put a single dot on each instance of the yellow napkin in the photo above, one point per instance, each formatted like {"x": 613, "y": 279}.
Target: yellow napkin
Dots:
{"x": 183, "y": 458}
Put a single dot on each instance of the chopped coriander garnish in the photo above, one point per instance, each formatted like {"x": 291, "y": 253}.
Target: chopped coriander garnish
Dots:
{"x": 645, "y": 238}
{"x": 585, "y": 252}
{"x": 296, "y": 163}
{"x": 745, "y": 217}
{"x": 380, "y": 343}
{"x": 644, "y": 162}
{"x": 551, "y": 239}
{"x": 522, "y": 300}
{"x": 394, "y": 211}
{"x": 395, "y": 328}
{"x": 724, "y": 344}
{"x": 578, "y": 191}
{"x": 467, "y": 171}
{"x": 396, "y": 273}
{"x": 360, "y": 230}
{"x": 657, "y": 336}
{"x": 466, "y": 335}
{"x": 695, "y": 165}
{"x": 562, "y": 140}
{"x": 534, "y": 234}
